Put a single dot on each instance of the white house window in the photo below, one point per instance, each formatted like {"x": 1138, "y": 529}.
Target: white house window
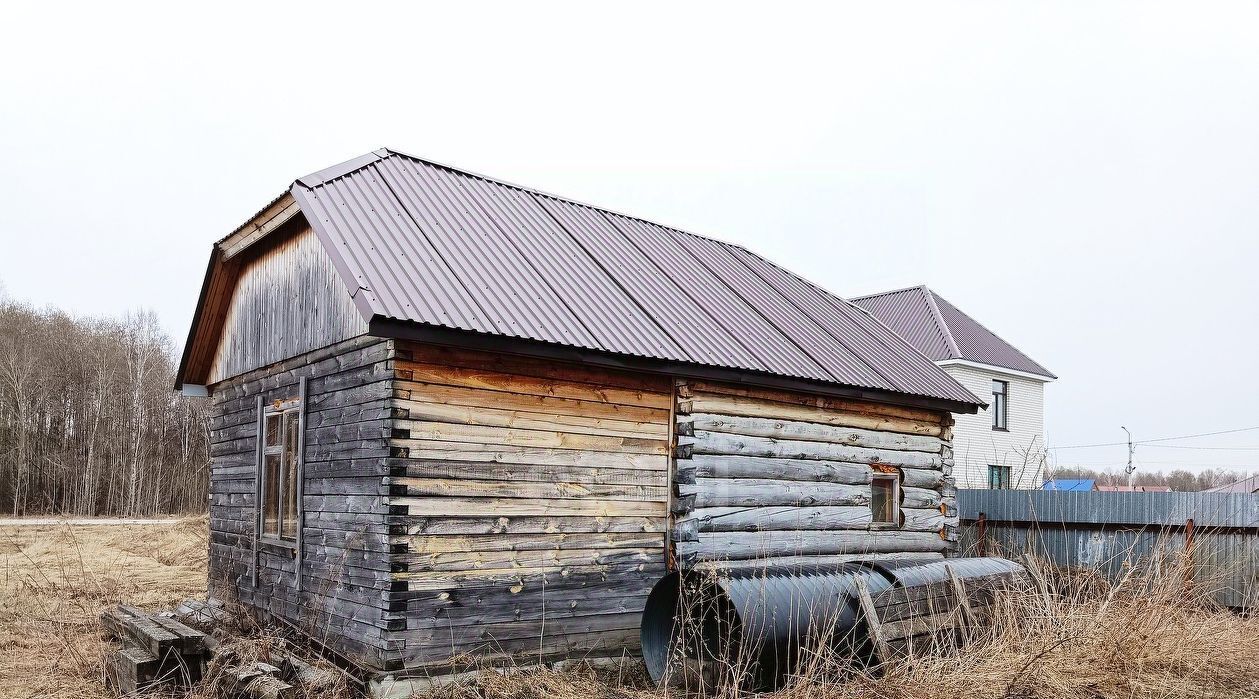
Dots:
{"x": 1000, "y": 405}
{"x": 278, "y": 473}
{"x": 885, "y": 498}
{"x": 998, "y": 477}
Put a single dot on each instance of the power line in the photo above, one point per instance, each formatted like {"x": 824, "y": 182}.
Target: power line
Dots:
{"x": 1187, "y": 446}
{"x": 1160, "y": 439}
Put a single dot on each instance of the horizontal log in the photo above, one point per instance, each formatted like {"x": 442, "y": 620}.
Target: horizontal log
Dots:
{"x": 517, "y": 507}
{"x": 722, "y": 444}
{"x": 813, "y": 400}
{"x": 751, "y": 407}
{"x": 528, "y": 542}
{"x": 919, "y": 498}
{"x": 526, "y": 366}
{"x": 749, "y": 492}
{"x": 470, "y": 562}
{"x": 520, "y": 419}
{"x": 442, "y": 580}
{"x": 924, "y": 519}
{"x": 510, "y": 454}
{"x": 514, "y": 383}
{"x": 928, "y": 478}
{"x": 811, "y": 470}
{"x": 502, "y": 525}
{"x": 601, "y": 475}
{"x": 779, "y": 428}
{"x": 752, "y": 519}
{"x": 523, "y": 489}
{"x": 448, "y": 432}
{"x": 809, "y": 563}
{"x": 428, "y": 394}
{"x": 747, "y": 545}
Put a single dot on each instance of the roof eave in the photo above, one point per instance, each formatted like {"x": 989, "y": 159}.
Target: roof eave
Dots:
{"x": 382, "y": 326}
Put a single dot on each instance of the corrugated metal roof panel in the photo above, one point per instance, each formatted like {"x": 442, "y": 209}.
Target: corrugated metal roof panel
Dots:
{"x": 881, "y": 348}
{"x": 707, "y": 290}
{"x": 433, "y": 245}
{"x": 942, "y": 331}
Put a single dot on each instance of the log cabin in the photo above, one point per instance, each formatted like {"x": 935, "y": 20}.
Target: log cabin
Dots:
{"x": 456, "y": 417}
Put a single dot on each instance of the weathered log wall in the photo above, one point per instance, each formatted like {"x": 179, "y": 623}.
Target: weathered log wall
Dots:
{"x": 345, "y": 599}
{"x": 768, "y": 476}
{"x": 529, "y": 503}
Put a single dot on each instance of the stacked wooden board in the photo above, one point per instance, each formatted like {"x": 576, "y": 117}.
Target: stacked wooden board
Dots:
{"x": 910, "y": 621}
{"x": 528, "y": 503}
{"x": 769, "y": 477}
{"x": 156, "y": 650}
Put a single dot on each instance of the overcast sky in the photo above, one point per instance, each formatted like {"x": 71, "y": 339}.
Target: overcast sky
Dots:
{"x": 1083, "y": 178}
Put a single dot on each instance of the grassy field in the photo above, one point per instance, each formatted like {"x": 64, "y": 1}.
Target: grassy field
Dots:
{"x": 1148, "y": 636}
{"x": 54, "y": 581}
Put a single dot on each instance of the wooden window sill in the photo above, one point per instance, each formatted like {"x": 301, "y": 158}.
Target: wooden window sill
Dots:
{"x": 278, "y": 546}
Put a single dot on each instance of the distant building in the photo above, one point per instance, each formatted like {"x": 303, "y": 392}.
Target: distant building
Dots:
{"x": 1004, "y": 445}
{"x": 1072, "y": 484}
{"x": 1246, "y": 485}
{"x": 1134, "y": 489}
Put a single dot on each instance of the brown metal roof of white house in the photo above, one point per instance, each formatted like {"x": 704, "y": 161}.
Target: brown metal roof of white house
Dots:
{"x": 428, "y": 245}
{"x": 941, "y": 331}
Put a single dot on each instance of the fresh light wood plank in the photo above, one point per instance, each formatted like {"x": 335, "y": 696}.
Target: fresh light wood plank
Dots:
{"x": 407, "y": 373}
{"x": 494, "y": 417}
{"x": 427, "y": 394}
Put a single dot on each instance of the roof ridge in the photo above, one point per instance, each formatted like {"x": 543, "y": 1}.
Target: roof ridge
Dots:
{"x": 945, "y": 330}
{"x": 888, "y": 292}
{"x": 989, "y": 331}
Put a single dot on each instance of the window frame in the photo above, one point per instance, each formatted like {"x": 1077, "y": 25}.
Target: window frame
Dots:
{"x": 1001, "y": 406}
{"x": 1004, "y": 474}
{"x": 895, "y": 495}
{"x": 291, "y": 415}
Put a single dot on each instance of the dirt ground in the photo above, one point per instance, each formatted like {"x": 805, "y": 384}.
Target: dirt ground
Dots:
{"x": 56, "y": 578}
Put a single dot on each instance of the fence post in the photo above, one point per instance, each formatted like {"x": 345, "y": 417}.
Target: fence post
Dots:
{"x": 1188, "y": 556}
{"x": 983, "y": 533}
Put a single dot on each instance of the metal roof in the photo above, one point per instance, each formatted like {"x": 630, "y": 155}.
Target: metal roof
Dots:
{"x": 941, "y": 331}
{"x": 427, "y": 244}
{"x": 1069, "y": 484}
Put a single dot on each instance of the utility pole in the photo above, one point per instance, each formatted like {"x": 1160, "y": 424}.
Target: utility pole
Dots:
{"x": 1130, "y": 469}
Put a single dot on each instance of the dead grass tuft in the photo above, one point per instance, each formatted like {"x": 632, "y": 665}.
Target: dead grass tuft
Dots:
{"x": 55, "y": 580}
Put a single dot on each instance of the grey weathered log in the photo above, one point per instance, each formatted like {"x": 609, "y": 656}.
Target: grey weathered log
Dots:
{"x": 918, "y": 519}
{"x": 720, "y": 443}
{"x": 752, "y": 519}
{"x": 811, "y": 432}
{"x": 922, "y": 478}
{"x": 742, "y": 546}
{"x": 751, "y": 492}
{"x": 919, "y": 498}
{"x": 714, "y": 466}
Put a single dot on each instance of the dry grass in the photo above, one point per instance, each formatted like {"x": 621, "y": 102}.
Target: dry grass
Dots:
{"x": 1147, "y": 636}
{"x": 55, "y": 580}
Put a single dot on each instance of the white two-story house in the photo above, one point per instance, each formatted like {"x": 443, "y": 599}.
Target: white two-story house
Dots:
{"x": 1004, "y": 445}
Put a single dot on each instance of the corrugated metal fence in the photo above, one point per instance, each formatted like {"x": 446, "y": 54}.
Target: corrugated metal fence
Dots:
{"x": 1109, "y": 531}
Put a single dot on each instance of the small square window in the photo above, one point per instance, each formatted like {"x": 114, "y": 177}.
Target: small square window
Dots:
{"x": 999, "y": 477}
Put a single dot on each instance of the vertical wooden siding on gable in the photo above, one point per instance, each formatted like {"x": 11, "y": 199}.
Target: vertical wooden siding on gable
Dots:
{"x": 530, "y": 503}
{"x": 770, "y": 477}
{"x": 288, "y": 300}
{"x": 345, "y": 601}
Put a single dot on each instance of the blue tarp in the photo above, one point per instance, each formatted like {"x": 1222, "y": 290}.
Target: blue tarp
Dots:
{"x": 1069, "y": 484}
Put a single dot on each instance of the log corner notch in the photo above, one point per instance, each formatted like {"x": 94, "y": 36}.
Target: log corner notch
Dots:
{"x": 763, "y": 476}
